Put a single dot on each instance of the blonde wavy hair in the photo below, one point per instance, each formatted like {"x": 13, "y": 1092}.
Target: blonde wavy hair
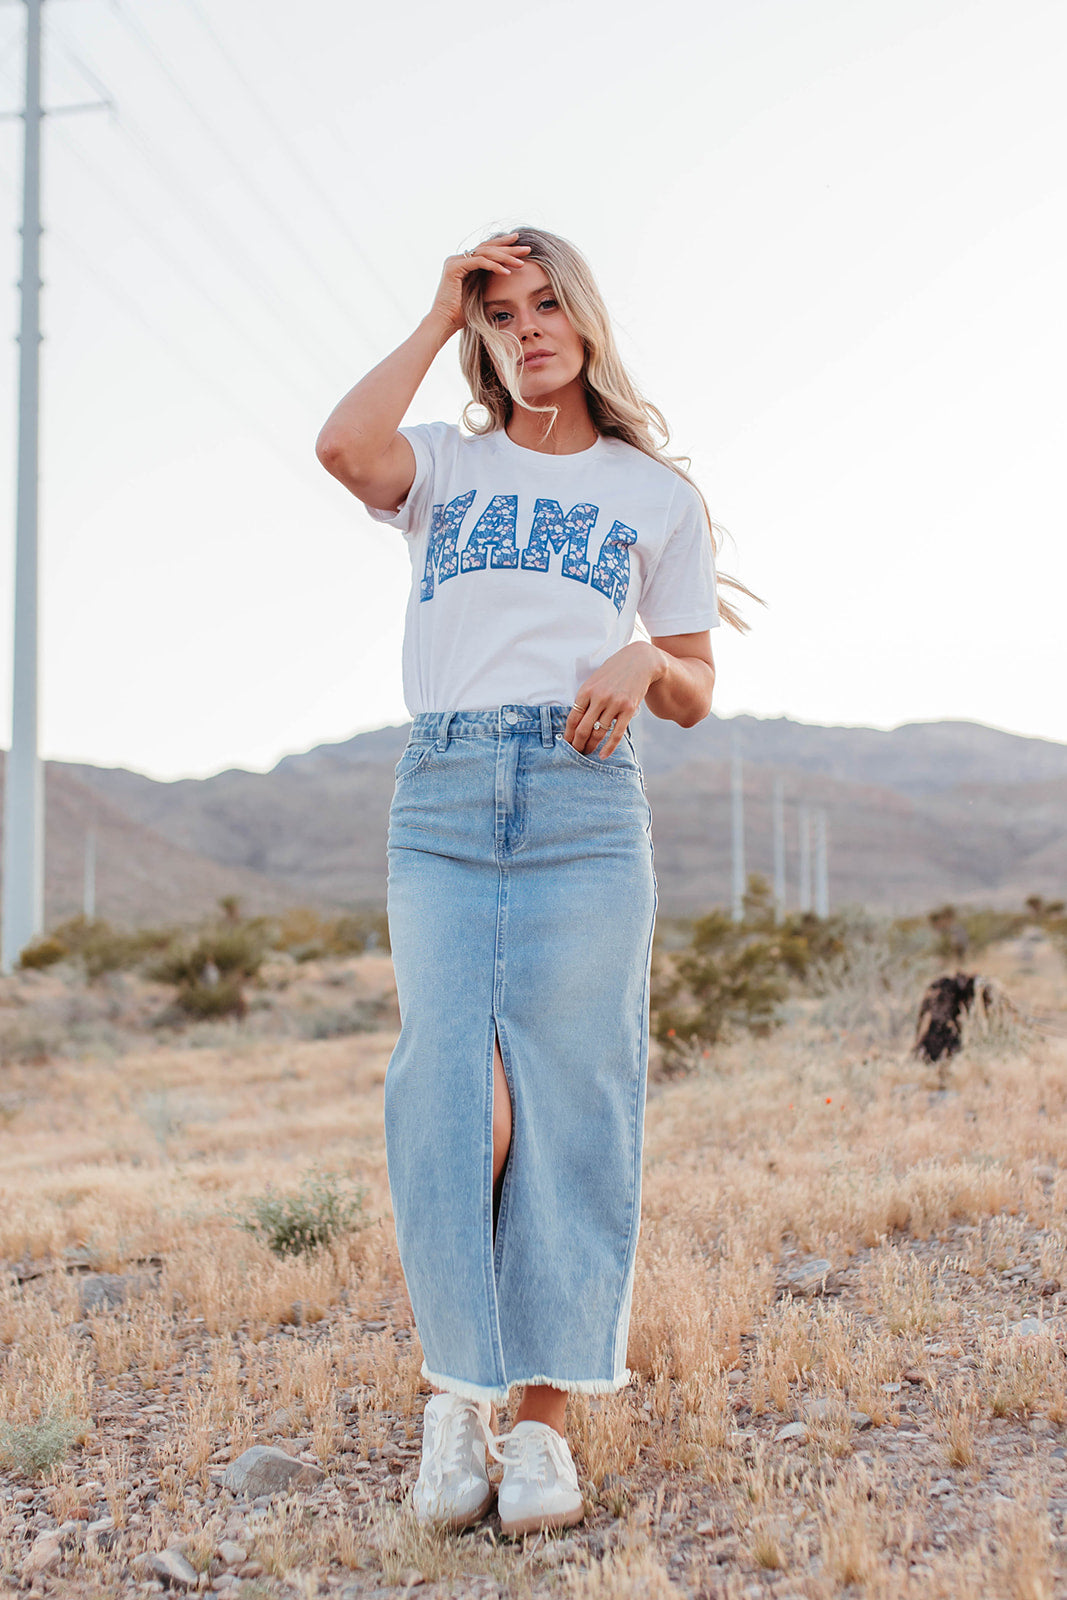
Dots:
{"x": 491, "y": 360}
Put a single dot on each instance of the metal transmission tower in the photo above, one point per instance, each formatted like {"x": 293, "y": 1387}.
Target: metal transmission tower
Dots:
{"x": 804, "y": 826}
{"x": 822, "y": 875}
{"x": 778, "y": 827}
{"x": 23, "y": 895}
{"x": 737, "y": 787}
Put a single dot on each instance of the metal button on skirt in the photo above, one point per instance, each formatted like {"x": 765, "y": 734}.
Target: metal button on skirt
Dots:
{"x": 521, "y": 905}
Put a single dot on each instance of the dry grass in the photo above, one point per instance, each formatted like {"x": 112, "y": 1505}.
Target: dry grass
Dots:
{"x": 941, "y": 1212}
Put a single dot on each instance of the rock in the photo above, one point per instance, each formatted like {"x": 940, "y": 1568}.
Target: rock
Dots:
{"x": 792, "y": 1430}
{"x": 265, "y": 1471}
{"x": 102, "y": 1534}
{"x": 892, "y": 1388}
{"x": 723, "y": 1550}
{"x": 103, "y": 1291}
{"x": 45, "y": 1555}
{"x": 820, "y": 1410}
{"x": 231, "y": 1553}
{"x": 170, "y": 1567}
{"x": 251, "y": 1569}
{"x": 281, "y": 1419}
{"x": 942, "y": 1486}
{"x": 1045, "y": 1174}
{"x": 555, "y": 1551}
{"x": 812, "y": 1277}
{"x": 859, "y": 1420}
{"x": 1027, "y": 1327}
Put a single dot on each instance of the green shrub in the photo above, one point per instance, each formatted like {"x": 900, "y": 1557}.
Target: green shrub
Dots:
{"x": 205, "y": 1001}
{"x": 28, "y": 1040}
{"x": 325, "y": 1207}
{"x": 234, "y": 951}
{"x": 101, "y": 948}
{"x": 338, "y": 1022}
{"x": 307, "y": 936}
{"x": 32, "y": 1447}
{"x": 733, "y": 976}
{"x": 43, "y": 952}
{"x": 730, "y": 975}
{"x": 210, "y": 972}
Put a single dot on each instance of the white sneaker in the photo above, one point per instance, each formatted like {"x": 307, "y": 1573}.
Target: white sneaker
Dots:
{"x": 539, "y": 1488}
{"x": 453, "y": 1488}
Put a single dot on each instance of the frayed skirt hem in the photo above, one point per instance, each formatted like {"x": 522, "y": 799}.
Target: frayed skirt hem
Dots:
{"x": 500, "y": 1392}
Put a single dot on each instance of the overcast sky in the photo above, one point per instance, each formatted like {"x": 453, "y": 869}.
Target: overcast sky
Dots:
{"x": 833, "y": 234}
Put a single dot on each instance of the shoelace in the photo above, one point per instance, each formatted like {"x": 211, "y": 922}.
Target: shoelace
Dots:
{"x": 452, "y": 1439}
{"x": 528, "y": 1453}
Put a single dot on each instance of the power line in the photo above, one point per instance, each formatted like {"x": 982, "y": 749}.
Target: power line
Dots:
{"x": 251, "y": 184}
{"x": 166, "y": 253}
{"x": 307, "y": 172}
{"x": 216, "y": 230}
{"x": 279, "y": 447}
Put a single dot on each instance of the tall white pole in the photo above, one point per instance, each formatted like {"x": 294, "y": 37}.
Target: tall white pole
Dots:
{"x": 737, "y": 786}
{"x": 89, "y": 883}
{"x": 804, "y": 825}
{"x": 23, "y": 894}
{"x": 778, "y": 826}
{"x": 822, "y": 876}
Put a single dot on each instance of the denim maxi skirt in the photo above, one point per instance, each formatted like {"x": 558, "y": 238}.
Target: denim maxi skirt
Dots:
{"x": 521, "y": 902}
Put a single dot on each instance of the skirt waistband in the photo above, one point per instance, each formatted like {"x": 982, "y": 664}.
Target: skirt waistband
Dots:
{"x": 438, "y": 727}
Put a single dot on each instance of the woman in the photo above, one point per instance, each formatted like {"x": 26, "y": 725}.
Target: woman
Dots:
{"x": 521, "y": 890}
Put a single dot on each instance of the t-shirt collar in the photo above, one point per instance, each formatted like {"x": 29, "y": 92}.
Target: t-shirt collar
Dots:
{"x": 552, "y": 462}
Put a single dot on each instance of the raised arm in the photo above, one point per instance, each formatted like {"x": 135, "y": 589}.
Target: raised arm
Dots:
{"x": 359, "y": 443}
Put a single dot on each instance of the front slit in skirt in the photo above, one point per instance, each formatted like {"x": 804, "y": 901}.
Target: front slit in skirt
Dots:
{"x": 521, "y": 903}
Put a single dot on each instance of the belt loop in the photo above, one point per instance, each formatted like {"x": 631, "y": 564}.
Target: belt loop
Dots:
{"x": 547, "y": 736}
{"x": 442, "y": 736}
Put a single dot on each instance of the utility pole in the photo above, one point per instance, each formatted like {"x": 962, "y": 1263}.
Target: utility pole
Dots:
{"x": 89, "y": 880}
{"x": 778, "y": 826}
{"x": 737, "y": 786}
{"x": 822, "y": 875}
{"x": 804, "y": 824}
{"x": 23, "y": 900}
{"x": 22, "y": 912}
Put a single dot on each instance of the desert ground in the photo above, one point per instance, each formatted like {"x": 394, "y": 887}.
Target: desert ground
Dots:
{"x": 849, "y": 1336}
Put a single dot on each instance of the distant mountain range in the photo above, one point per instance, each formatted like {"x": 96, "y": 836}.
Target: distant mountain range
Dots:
{"x": 925, "y": 813}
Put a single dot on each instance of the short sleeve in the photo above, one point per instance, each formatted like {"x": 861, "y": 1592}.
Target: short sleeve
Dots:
{"x": 680, "y": 594}
{"x": 427, "y": 440}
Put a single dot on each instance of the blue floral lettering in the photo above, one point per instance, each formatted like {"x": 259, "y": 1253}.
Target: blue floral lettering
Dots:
{"x": 494, "y": 529}
{"x": 441, "y": 549}
{"x": 550, "y": 527}
{"x": 611, "y": 575}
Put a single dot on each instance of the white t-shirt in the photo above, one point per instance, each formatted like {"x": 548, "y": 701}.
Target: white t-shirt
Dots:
{"x": 528, "y": 570}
